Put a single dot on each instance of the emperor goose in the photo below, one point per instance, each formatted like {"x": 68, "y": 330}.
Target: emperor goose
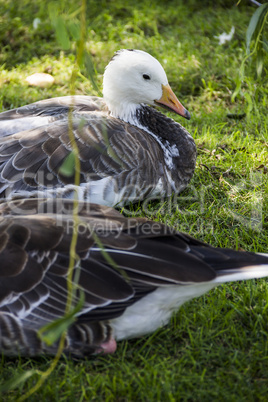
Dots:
{"x": 128, "y": 150}
{"x": 154, "y": 271}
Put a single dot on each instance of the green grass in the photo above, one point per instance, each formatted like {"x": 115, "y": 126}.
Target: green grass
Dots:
{"x": 216, "y": 346}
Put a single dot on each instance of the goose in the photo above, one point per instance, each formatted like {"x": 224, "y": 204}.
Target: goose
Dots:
{"x": 147, "y": 272}
{"x": 128, "y": 150}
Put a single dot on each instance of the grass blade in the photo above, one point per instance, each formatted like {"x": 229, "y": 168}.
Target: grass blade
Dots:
{"x": 62, "y": 34}
{"x": 68, "y": 167}
{"x": 50, "y": 333}
{"x": 255, "y": 24}
{"x": 14, "y": 382}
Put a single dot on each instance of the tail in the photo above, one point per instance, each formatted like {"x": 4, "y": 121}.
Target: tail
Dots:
{"x": 254, "y": 271}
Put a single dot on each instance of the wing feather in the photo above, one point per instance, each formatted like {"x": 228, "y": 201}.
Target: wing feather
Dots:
{"x": 145, "y": 256}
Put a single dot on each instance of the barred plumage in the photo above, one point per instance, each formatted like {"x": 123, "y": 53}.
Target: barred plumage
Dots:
{"x": 154, "y": 271}
{"x": 128, "y": 151}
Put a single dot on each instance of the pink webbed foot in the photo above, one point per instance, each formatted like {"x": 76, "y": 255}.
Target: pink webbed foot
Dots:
{"x": 107, "y": 347}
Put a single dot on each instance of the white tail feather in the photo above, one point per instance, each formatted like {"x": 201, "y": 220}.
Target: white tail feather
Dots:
{"x": 264, "y": 254}
{"x": 241, "y": 274}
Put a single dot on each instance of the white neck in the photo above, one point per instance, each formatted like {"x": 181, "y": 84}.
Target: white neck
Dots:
{"x": 124, "y": 111}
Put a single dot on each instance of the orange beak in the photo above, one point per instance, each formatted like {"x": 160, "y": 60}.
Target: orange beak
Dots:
{"x": 170, "y": 101}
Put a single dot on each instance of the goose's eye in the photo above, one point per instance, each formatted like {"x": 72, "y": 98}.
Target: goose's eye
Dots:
{"x": 146, "y": 77}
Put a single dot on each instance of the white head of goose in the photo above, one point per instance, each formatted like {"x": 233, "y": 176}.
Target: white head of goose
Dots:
{"x": 155, "y": 270}
{"x": 128, "y": 151}
{"x": 134, "y": 78}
